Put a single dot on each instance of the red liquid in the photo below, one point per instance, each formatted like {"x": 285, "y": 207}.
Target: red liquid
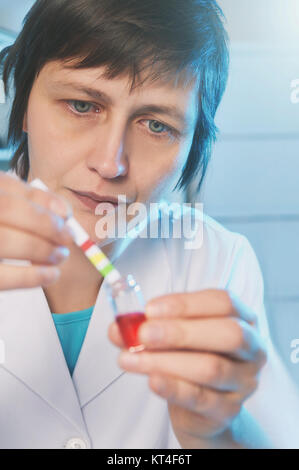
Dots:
{"x": 128, "y": 324}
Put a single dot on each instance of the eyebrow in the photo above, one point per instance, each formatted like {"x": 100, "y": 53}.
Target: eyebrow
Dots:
{"x": 168, "y": 110}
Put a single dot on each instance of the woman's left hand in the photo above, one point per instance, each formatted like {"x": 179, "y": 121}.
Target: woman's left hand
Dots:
{"x": 203, "y": 355}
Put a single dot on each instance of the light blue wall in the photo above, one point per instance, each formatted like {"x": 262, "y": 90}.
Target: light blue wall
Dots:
{"x": 252, "y": 185}
{"x": 5, "y": 155}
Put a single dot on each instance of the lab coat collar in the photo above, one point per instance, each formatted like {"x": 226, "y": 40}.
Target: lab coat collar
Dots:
{"x": 33, "y": 353}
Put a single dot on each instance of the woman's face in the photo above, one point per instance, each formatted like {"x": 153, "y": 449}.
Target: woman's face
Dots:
{"x": 90, "y": 134}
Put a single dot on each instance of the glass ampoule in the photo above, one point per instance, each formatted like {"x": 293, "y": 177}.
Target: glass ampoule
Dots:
{"x": 128, "y": 306}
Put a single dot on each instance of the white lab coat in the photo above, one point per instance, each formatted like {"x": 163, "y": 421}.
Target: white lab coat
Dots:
{"x": 101, "y": 406}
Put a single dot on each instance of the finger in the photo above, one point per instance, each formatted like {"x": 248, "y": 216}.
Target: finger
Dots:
{"x": 19, "y": 213}
{"x": 12, "y": 183}
{"x": 21, "y": 277}
{"x": 16, "y": 187}
{"x": 115, "y": 336}
{"x": 216, "y": 405}
{"x": 205, "y": 303}
{"x": 219, "y": 335}
{"x": 18, "y": 245}
{"x": 51, "y": 201}
{"x": 206, "y": 369}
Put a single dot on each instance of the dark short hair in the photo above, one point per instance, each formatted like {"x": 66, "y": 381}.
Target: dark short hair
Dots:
{"x": 174, "y": 38}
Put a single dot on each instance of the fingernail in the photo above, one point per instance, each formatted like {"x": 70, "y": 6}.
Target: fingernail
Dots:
{"x": 59, "y": 254}
{"x": 61, "y": 207}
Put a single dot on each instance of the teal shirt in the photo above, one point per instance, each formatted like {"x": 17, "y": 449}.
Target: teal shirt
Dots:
{"x": 71, "y": 329}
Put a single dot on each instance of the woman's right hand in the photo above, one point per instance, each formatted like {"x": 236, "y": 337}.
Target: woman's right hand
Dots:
{"x": 32, "y": 228}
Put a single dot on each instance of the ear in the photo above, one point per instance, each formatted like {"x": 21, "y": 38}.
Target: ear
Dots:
{"x": 25, "y": 123}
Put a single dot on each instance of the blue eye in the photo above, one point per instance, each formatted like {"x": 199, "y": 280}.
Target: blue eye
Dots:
{"x": 82, "y": 107}
{"x": 157, "y": 127}
{"x": 160, "y": 131}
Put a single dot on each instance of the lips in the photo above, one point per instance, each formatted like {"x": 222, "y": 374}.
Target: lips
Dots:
{"x": 92, "y": 200}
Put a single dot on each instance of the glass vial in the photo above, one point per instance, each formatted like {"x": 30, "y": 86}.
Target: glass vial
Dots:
{"x": 128, "y": 305}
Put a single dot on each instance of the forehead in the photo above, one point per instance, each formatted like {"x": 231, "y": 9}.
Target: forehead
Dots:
{"x": 181, "y": 90}
{"x": 181, "y": 82}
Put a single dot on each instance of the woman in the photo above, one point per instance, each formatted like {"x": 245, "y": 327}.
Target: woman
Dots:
{"x": 119, "y": 98}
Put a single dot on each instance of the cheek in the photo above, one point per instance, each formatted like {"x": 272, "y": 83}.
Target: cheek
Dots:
{"x": 44, "y": 137}
{"x": 51, "y": 142}
{"x": 157, "y": 167}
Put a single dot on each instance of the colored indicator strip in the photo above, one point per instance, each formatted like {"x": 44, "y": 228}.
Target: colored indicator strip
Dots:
{"x": 97, "y": 258}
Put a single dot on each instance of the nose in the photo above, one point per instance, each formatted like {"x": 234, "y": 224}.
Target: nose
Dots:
{"x": 109, "y": 156}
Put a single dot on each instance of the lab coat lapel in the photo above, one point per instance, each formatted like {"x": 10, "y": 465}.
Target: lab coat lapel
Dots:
{"x": 97, "y": 367}
{"x": 33, "y": 352}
